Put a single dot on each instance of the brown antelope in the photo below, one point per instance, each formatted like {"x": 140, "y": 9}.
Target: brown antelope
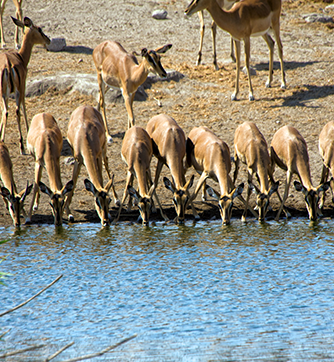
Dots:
{"x": 119, "y": 69}
{"x": 137, "y": 153}
{"x": 326, "y": 149}
{"x": 87, "y": 138}
{"x": 288, "y": 151}
{"x": 13, "y": 74}
{"x": 45, "y": 142}
{"x": 18, "y": 14}
{"x": 226, "y": 5}
{"x": 250, "y": 147}
{"x": 169, "y": 146}
{"x": 14, "y": 201}
{"x": 245, "y": 19}
{"x": 210, "y": 156}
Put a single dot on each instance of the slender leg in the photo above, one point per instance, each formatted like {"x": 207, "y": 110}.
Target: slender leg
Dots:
{"x": 18, "y": 120}
{"x": 35, "y": 195}
{"x": 101, "y": 104}
{"x": 2, "y": 8}
{"x": 76, "y": 172}
{"x": 268, "y": 39}
{"x": 285, "y": 196}
{"x": 214, "y": 33}
{"x": 4, "y": 119}
{"x": 237, "y": 70}
{"x": 276, "y": 28}
{"x": 128, "y": 99}
{"x": 232, "y": 51}
{"x": 106, "y": 166}
{"x": 201, "y": 19}
{"x": 129, "y": 181}
{"x": 324, "y": 176}
{"x": 247, "y": 56}
{"x": 236, "y": 170}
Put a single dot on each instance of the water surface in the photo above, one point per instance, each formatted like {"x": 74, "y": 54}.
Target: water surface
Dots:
{"x": 198, "y": 292}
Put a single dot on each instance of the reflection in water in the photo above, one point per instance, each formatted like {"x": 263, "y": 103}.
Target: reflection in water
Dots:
{"x": 196, "y": 292}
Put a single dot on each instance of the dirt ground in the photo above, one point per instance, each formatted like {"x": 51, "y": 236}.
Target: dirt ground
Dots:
{"x": 202, "y": 97}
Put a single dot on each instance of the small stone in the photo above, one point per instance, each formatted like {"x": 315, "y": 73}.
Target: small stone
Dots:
{"x": 159, "y": 14}
{"x": 80, "y": 60}
{"x": 57, "y": 44}
{"x": 317, "y": 18}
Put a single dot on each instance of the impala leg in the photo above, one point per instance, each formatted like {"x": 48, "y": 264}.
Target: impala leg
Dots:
{"x": 2, "y": 4}
{"x": 268, "y": 39}
{"x": 35, "y": 195}
{"x": 24, "y": 111}
{"x": 214, "y": 34}
{"x": 237, "y": 70}
{"x": 285, "y": 196}
{"x": 128, "y": 99}
{"x": 204, "y": 198}
{"x": 4, "y": 119}
{"x": 324, "y": 176}
{"x": 18, "y": 119}
{"x": 76, "y": 172}
{"x": 236, "y": 170}
{"x": 201, "y": 19}
{"x": 129, "y": 181}
{"x": 250, "y": 178}
{"x": 247, "y": 58}
{"x": 18, "y": 14}
{"x": 106, "y": 166}
{"x": 156, "y": 179}
{"x": 101, "y": 104}
{"x": 276, "y": 28}
{"x": 232, "y": 51}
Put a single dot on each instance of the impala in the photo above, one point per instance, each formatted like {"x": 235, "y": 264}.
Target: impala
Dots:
{"x": 326, "y": 149}
{"x": 18, "y": 14}
{"x": 86, "y": 136}
{"x": 245, "y": 19}
{"x": 119, "y": 69}
{"x": 210, "y": 156}
{"x": 13, "y": 74}
{"x": 250, "y": 147}
{"x": 14, "y": 201}
{"x": 169, "y": 146}
{"x": 288, "y": 151}
{"x": 45, "y": 142}
{"x": 137, "y": 153}
{"x": 226, "y": 5}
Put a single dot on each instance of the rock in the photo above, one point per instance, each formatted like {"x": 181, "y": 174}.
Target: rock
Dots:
{"x": 57, "y": 44}
{"x": 319, "y": 18}
{"x": 159, "y": 14}
{"x": 329, "y": 7}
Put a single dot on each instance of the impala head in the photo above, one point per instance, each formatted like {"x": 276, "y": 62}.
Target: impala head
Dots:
{"x": 262, "y": 199}
{"x": 312, "y": 197}
{"x": 102, "y": 200}
{"x": 225, "y": 203}
{"x": 153, "y": 59}
{"x": 16, "y": 202}
{"x": 57, "y": 199}
{"x": 195, "y": 6}
{"x": 144, "y": 202}
{"x": 38, "y": 37}
{"x": 180, "y": 197}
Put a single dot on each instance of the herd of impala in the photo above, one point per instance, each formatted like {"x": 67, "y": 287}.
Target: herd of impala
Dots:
{"x": 88, "y": 133}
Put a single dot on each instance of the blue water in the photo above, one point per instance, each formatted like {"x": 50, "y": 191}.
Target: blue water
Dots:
{"x": 198, "y": 292}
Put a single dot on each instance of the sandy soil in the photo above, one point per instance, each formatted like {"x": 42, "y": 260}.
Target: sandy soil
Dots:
{"x": 202, "y": 97}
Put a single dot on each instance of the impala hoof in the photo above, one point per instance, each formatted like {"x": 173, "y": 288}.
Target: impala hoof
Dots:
{"x": 283, "y": 86}
{"x": 251, "y": 97}
{"x": 70, "y": 218}
{"x": 268, "y": 84}
{"x": 233, "y": 97}
{"x": 109, "y": 139}
{"x": 243, "y": 219}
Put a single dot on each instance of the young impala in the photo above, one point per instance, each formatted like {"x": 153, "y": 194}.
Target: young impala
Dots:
{"x": 119, "y": 69}
{"x": 137, "y": 153}
{"x": 250, "y": 147}
{"x": 288, "y": 151}
{"x": 169, "y": 146}
{"x": 210, "y": 156}
{"x": 87, "y": 138}
{"x": 13, "y": 201}
{"x": 13, "y": 74}
{"x": 45, "y": 142}
{"x": 245, "y": 19}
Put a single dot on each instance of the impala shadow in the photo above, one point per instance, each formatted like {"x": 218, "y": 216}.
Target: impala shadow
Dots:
{"x": 78, "y": 49}
{"x": 264, "y": 66}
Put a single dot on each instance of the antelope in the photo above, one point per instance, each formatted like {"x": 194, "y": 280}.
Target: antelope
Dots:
{"x": 86, "y": 136}
{"x": 251, "y": 148}
{"x": 288, "y": 151}
{"x": 210, "y": 156}
{"x": 18, "y": 14}
{"x": 13, "y": 201}
{"x": 224, "y": 4}
{"x": 45, "y": 142}
{"x": 119, "y": 69}
{"x": 13, "y": 74}
{"x": 245, "y": 19}
{"x": 326, "y": 149}
{"x": 169, "y": 146}
{"x": 137, "y": 153}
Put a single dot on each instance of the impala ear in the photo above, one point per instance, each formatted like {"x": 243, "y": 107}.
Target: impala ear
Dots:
{"x": 89, "y": 186}
{"x": 132, "y": 192}
{"x": 299, "y": 187}
{"x": 45, "y": 189}
{"x": 110, "y": 183}
{"x": 27, "y": 22}
{"x": 274, "y": 188}
{"x": 17, "y": 22}
{"x": 67, "y": 188}
{"x": 5, "y": 193}
{"x": 163, "y": 49}
{"x": 213, "y": 193}
{"x": 238, "y": 191}
{"x": 188, "y": 185}
{"x": 169, "y": 185}
{"x": 144, "y": 52}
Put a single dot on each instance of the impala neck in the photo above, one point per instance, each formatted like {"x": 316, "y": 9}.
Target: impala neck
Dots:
{"x": 53, "y": 170}
{"x": 140, "y": 72}
{"x": 223, "y": 178}
{"x": 225, "y": 20}
{"x": 26, "y": 48}
{"x": 90, "y": 161}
